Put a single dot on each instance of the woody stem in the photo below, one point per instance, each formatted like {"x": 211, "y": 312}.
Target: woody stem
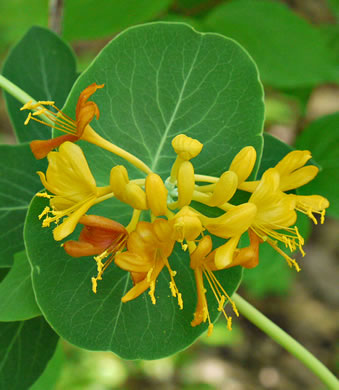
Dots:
{"x": 286, "y": 341}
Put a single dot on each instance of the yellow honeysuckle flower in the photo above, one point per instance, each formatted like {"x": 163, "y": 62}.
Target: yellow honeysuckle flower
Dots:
{"x": 75, "y": 129}
{"x": 186, "y": 148}
{"x": 275, "y": 215}
{"x": 73, "y": 186}
{"x": 186, "y": 225}
{"x": 224, "y": 189}
{"x": 202, "y": 264}
{"x": 148, "y": 249}
{"x": 126, "y": 191}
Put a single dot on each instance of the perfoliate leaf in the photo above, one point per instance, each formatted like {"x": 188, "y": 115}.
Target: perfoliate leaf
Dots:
{"x": 18, "y": 183}
{"x": 161, "y": 80}
{"x": 25, "y": 349}
{"x": 44, "y": 67}
{"x": 17, "y": 300}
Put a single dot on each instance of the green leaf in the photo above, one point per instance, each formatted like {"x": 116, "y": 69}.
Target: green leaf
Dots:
{"x": 160, "y": 80}
{"x": 110, "y": 17}
{"x": 288, "y": 50}
{"x": 52, "y": 372}
{"x": 18, "y": 184}
{"x": 25, "y": 348}
{"x": 17, "y": 300}
{"x": 321, "y": 137}
{"x": 43, "y": 66}
{"x": 272, "y": 275}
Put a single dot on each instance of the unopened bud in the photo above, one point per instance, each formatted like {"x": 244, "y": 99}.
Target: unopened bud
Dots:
{"x": 243, "y": 163}
{"x": 186, "y": 147}
{"x": 156, "y": 194}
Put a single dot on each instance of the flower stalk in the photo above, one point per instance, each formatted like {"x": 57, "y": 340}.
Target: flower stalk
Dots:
{"x": 286, "y": 341}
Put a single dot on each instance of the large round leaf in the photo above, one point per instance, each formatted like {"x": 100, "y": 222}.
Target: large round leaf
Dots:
{"x": 160, "y": 80}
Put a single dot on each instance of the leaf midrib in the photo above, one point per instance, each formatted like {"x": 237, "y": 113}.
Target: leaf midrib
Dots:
{"x": 169, "y": 125}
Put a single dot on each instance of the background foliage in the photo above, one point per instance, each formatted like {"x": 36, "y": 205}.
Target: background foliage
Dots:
{"x": 296, "y": 51}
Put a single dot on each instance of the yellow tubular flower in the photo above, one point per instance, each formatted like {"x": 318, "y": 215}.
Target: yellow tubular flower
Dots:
{"x": 186, "y": 225}
{"x": 233, "y": 223}
{"x": 201, "y": 265}
{"x": 224, "y": 189}
{"x": 275, "y": 216}
{"x": 126, "y": 191}
{"x": 186, "y": 148}
{"x": 69, "y": 178}
{"x": 185, "y": 184}
{"x": 243, "y": 163}
{"x": 156, "y": 194}
{"x": 147, "y": 253}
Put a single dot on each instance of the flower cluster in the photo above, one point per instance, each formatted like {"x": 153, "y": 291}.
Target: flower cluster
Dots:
{"x": 144, "y": 248}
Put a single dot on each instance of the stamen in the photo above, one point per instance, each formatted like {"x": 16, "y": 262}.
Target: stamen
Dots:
{"x": 43, "y": 195}
{"x": 173, "y": 287}
{"x": 291, "y": 262}
{"x": 45, "y": 211}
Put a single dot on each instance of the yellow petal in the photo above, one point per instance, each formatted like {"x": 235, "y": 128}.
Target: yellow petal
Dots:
{"x": 225, "y": 253}
{"x": 243, "y": 163}
{"x": 156, "y": 194}
{"x": 234, "y": 222}
{"x": 69, "y": 224}
{"x": 292, "y": 161}
{"x": 185, "y": 184}
{"x": 224, "y": 189}
{"x": 118, "y": 179}
{"x": 186, "y": 225}
{"x": 298, "y": 178}
{"x": 134, "y": 196}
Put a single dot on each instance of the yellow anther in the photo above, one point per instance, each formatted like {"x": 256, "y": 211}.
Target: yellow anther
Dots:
{"x": 43, "y": 195}
{"x": 156, "y": 194}
{"x": 94, "y": 285}
{"x": 28, "y": 118}
{"x": 151, "y": 292}
{"x": 39, "y": 112}
{"x": 210, "y": 330}
{"x": 185, "y": 184}
{"x": 186, "y": 147}
{"x": 27, "y": 106}
{"x": 243, "y": 163}
{"x": 45, "y": 211}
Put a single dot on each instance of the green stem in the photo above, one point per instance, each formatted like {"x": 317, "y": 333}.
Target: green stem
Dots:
{"x": 19, "y": 94}
{"x": 286, "y": 341}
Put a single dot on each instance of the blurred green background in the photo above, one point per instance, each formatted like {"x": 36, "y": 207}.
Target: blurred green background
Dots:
{"x": 296, "y": 46}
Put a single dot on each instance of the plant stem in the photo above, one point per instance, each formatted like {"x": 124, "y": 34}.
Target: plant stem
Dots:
{"x": 19, "y": 94}
{"x": 55, "y": 15}
{"x": 286, "y": 341}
